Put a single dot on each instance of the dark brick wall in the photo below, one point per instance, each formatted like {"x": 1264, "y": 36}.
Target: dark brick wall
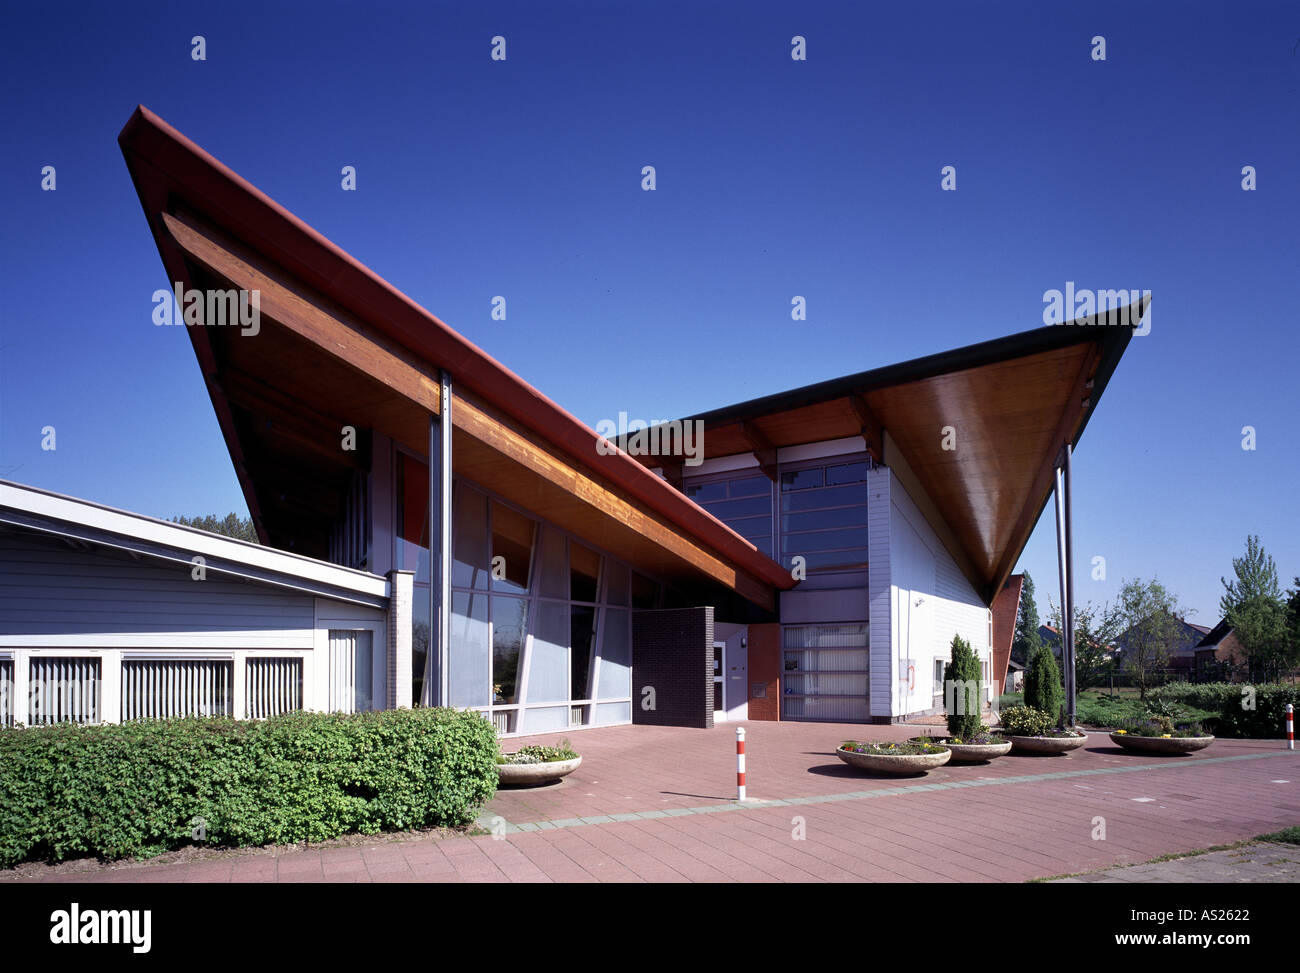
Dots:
{"x": 672, "y": 652}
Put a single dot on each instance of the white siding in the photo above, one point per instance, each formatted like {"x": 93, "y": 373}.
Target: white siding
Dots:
{"x": 932, "y": 602}
{"x": 883, "y": 670}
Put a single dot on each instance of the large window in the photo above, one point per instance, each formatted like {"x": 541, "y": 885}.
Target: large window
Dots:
{"x": 824, "y": 516}
{"x": 541, "y": 624}
{"x": 743, "y": 503}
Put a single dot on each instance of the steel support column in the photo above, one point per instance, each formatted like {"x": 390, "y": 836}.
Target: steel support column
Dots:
{"x": 440, "y": 494}
{"x": 1065, "y": 570}
{"x": 1070, "y": 688}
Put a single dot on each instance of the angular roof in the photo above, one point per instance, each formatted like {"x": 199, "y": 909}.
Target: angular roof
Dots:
{"x": 1012, "y": 403}
{"x": 340, "y": 345}
{"x": 333, "y": 324}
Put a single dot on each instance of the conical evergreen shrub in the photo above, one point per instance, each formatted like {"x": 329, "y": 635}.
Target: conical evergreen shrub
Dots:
{"x": 961, "y": 691}
{"x": 1043, "y": 688}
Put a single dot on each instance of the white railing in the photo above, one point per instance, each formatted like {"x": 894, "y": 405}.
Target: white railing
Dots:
{"x": 272, "y": 687}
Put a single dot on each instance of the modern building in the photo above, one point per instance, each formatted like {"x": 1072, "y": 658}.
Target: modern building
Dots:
{"x": 436, "y": 530}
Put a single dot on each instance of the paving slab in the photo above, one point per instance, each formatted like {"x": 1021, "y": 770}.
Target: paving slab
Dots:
{"x": 658, "y": 804}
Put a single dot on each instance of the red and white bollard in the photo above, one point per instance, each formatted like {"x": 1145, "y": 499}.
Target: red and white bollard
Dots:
{"x": 1290, "y": 727}
{"x": 740, "y": 763}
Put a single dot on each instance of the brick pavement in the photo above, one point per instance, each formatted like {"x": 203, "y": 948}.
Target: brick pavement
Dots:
{"x": 657, "y": 804}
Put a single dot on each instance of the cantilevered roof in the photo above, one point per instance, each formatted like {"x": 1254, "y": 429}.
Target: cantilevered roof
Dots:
{"x": 340, "y": 346}
{"x": 1012, "y": 403}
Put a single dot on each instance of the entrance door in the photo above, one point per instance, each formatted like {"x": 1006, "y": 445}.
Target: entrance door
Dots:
{"x": 719, "y": 682}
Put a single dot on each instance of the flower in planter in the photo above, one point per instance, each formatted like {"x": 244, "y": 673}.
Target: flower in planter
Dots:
{"x": 1121, "y": 732}
{"x": 1165, "y": 736}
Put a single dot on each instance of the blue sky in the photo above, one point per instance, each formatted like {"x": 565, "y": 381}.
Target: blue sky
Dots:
{"x": 775, "y": 178}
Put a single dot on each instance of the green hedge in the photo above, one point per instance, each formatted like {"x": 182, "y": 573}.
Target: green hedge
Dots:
{"x": 1267, "y": 721}
{"x": 139, "y": 788}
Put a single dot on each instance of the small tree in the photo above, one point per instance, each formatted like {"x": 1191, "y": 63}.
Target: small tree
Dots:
{"x": 1043, "y": 689}
{"x": 1095, "y": 630}
{"x": 962, "y": 691}
{"x": 1152, "y": 616}
{"x": 1253, "y": 605}
{"x": 1026, "y": 638}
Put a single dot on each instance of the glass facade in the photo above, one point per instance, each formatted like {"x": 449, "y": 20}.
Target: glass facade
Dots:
{"x": 743, "y": 503}
{"x": 824, "y": 516}
{"x": 541, "y": 623}
{"x": 817, "y": 510}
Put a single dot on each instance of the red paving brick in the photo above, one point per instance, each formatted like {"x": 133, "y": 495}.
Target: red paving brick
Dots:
{"x": 1000, "y": 830}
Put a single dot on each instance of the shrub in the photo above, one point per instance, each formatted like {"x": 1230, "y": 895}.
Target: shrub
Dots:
{"x": 1025, "y": 721}
{"x": 963, "y": 670}
{"x": 911, "y": 748}
{"x": 143, "y": 787}
{"x": 1043, "y": 689}
{"x": 1160, "y": 727}
{"x": 1265, "y": 721}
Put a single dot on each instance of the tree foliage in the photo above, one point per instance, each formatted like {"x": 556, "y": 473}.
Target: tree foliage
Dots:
{"x": 1253, "y": 605}
{"x": 1043, "y": 689}
{"x": 1153, "y": 627}
{"x": 962, "y": 691}
{"x": 1096, "y": 630}
{"x": 232, "y": 525}
{"x": 1026, "y": 638}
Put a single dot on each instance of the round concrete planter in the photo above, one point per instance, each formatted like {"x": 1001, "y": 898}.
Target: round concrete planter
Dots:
{"x": 900, "y": 763}
{"x": 1046, "y": 744}
{"x": 536, "y": 773}
{"x": 976, "y": 753}
{"x": 1170, "y": 745}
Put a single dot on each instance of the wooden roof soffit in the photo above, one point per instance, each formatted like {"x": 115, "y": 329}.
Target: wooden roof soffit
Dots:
{"x": 290, "y": 419}
{"x": 872, "y": 432}
{"x": 761, "y": 447}
{"x": 334, "y": 330}
{"x": 1067, "y": 430}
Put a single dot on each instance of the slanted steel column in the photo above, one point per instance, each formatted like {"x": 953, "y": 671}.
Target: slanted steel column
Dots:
{"x": 436, "y": 664}
{"x": 1070, "y": 687}
{"x": 1065, "y": 569}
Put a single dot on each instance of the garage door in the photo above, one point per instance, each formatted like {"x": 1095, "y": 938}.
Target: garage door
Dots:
{"x": 825, "y": 673}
